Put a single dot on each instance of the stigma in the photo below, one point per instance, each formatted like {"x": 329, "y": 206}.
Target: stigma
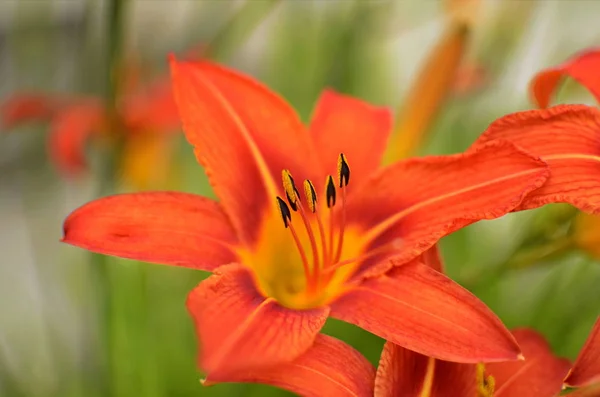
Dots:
{"x": 327, "y": 241}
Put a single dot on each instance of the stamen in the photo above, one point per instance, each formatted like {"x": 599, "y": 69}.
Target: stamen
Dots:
{"x": 311, "y": 198}
{"x": 284, "y": 210}
{"x": 290, "y": 189}
{"x": 330, "y": 192}
{"x": 343, "y": 178}
{"x": 287, "y": 221}
{"x": 343, "y": 171}
{"x": 311, "y": 238}
{"x": 293, "y": 197}
{"x": 340, "y": 244}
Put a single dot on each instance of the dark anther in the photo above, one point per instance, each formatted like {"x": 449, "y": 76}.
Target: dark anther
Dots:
{"x": 291, "y": 192}
{"x": 311, "y": 195}
{"x": 330, "y": 192}
{"x": 284, "y": 210}
{"x": 343, "y": 171}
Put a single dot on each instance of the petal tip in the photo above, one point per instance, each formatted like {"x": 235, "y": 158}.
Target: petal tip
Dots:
{"x": 207, "y": 382}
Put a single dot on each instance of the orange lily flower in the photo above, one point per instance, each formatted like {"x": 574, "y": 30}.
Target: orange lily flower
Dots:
{"x": 146, "y": 116}
{"x": 540, "y": 374}
{"x": 332, "y": 368}
{"x": 284, "y": 261}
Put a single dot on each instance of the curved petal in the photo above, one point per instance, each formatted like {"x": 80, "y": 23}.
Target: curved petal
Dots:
{"x": 433, "y": 258}
{"x": 244, "y": 135}
{"x": 540, "y": 374}
{"x": 583, "y": 67}
{"x": 586, "y": 369}
{"x": 402, "y": 372}
{"x": 426, "y": 96}
{"x": 329, "y": 368}
{"x": 23, "y": 107}
{"x": 240, "y": 330}
{"x": 161, "y": 227}
{"x": 422, "y": 310}
{"x": 69, "y": 133}
{"x": 418, "y": 201}
{"x": 342, "y": 124}
{"x": 567, "y": 137}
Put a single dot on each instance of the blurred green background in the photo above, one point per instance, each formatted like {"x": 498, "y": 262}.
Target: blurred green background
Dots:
{"x": 73, "y": 324}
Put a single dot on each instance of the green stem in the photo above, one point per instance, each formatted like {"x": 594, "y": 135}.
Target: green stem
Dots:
{"x": 115, "y": 27}
{"x": 100, "y": 263}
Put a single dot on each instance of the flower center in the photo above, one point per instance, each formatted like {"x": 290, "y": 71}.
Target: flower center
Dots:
{"x": 310, "y": 264}
{"x": 326, "y": 243}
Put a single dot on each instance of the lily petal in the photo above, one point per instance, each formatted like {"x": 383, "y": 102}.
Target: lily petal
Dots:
{"x": 329, "y": 368}
{"x": 171, "y": 228}
{"x": 240, "y": 330}
{"x": 540, "y": 374}
{"x": 567, "y": 137}
{"x": 342, "y": 124}
{"x": 418, "y": 201}
{"x": 244, "y": 135}
{"x": 402, "y": 372}
{"x": 26, "y": 107}
{"x": 586, "y": 369}
{"x": 69, "y": 133}
{"x": 583, "y": 67}
{"x": 420, "y": 309}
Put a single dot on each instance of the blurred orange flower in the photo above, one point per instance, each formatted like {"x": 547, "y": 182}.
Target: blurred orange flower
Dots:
{"x": 145, "y": 118}
{"x": 445, "y": 71}
{"x": 291, "y": 259}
